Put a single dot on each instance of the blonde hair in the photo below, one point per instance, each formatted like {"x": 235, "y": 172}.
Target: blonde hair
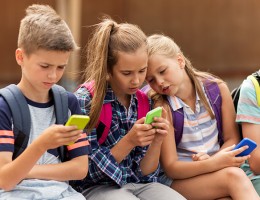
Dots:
{"x": 43, "y": 28}
{"x": 108, "y": 38}
{"x": 164, "y": 45}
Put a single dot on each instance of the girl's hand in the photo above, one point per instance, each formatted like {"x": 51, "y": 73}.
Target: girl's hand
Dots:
{"x": 162, "y": 127}
{"x": 227, "y": 157}
{"x": 141, "y": 134}
{"x": 200, "y": 156}
{"x": 58, "y": 135}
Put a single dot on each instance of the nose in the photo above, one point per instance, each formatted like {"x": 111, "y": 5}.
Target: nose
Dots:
{"x": 52, "y": 74}
{"x": 159, "y": 81}
{"x": 135, "y": 80}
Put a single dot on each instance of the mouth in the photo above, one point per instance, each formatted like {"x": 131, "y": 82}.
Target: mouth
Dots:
{"x": 48, "y": 84}
{"x": 164, "y": 89}
{"x": 134, "y": 88}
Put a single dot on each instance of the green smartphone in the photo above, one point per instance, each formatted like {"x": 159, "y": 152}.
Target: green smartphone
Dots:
{"x": 80, "y": 121}
{"x": 156, "y": 112}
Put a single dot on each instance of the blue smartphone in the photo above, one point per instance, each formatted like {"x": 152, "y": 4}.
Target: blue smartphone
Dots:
{"x": 246, "y": 141}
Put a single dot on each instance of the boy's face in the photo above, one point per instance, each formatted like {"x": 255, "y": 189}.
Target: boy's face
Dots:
{"x": 41, "y": 69}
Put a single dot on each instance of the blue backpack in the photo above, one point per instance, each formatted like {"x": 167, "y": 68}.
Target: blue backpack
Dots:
{"x": 105, "y": 119}
{"x": 21, "y": 115}
{"x": 214, "y": 96}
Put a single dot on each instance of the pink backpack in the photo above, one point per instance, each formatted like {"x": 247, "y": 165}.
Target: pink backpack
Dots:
{"x": 105, "y": 119}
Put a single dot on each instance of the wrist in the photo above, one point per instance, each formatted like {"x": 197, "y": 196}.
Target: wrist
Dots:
{"x": 156, "y": 144}
{"x": 128, "y": 142}
{"x": 39, "y": 146}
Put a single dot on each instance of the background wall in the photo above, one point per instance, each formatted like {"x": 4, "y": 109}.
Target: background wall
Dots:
{"x": 219, "y": 36}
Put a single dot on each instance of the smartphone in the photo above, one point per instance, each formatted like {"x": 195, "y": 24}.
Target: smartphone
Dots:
{"x": 246, "y": 141}
{"x": 156, "y": 112}
{"x": 80, "y": 121}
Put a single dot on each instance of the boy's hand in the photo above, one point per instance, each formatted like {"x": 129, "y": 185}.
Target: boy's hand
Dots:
{"x": 59, "y": 135}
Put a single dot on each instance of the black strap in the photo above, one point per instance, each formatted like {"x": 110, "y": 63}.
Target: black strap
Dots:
{"x": 61, "y": 104}
{"x": 61, "y": 111}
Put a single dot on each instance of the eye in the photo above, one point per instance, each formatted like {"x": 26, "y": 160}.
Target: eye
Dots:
{"x": 44, "y": 66}
{"x": 126, "y": 73}
{"x": 162, "y": 71}
{"x": 61, "y": 67}
{"x": 143, "y": 70}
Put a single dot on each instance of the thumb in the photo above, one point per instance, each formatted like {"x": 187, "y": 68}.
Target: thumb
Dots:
{"x": 140, "y": 121}
{"x": 164, "y": 113}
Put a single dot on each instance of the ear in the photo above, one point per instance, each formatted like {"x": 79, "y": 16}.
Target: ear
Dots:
{"x": 181, "y": 60}
{"x": 19, "y": 56}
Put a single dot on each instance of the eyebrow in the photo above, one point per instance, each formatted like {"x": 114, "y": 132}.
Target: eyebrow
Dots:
{"x": 44, "y": 63}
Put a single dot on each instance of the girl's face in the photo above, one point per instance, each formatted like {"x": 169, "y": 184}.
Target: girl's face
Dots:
{"x": 165, "y": 75}
{"x": 129, "y": 73}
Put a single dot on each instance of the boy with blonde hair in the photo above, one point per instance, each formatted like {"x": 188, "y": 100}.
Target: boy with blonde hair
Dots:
{"x": 42, "y": 169}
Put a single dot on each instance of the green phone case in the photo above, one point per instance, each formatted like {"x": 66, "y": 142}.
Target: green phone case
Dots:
{"x": 80, "y": 121}
{"x": 156, "y": 112}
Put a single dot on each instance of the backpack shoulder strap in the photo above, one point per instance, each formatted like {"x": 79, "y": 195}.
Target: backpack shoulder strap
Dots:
{"x": 178, "y": 122}
{"x": 257, "y": 88}
{"x": 213, "y": 93}
{"x": 143, "y": 104}
{"x": 21, "y": 117}
{"x": 215, "y": 99}
{"x": 61, "y": 103}
{"x": 105, "y": 117}
{"x": 235, "y": 96}
{"x": 60, "y": 97}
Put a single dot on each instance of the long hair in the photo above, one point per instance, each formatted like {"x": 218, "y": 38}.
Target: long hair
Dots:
{"x": 164, "y": 45}
{"x": 107, "y": 39}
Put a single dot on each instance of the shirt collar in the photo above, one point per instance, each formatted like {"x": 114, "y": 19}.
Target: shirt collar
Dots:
{"x": 110, "y": 96}
{"x": 176, "y": 103}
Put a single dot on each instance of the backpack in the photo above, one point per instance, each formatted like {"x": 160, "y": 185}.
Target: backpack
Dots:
{"x": 105, "y": 118}
{"x": 214, "y": 96}
{"x": 21, "y": 115}
{"x": 255, "y": 78}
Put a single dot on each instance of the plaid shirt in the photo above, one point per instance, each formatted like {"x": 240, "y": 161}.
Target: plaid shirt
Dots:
{"x": 103, "y": 168}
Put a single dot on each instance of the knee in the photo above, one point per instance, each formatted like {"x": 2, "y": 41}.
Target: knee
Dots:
{"x": 235, "y": 175}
